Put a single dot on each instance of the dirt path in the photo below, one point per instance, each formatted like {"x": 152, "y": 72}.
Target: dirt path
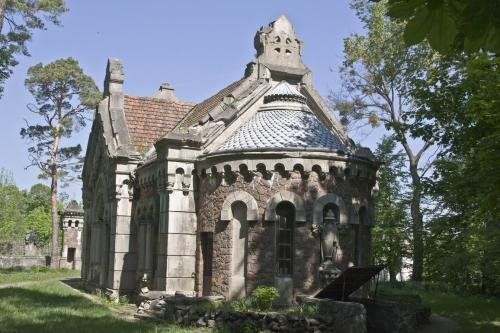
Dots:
{"x": 440, "y": 324}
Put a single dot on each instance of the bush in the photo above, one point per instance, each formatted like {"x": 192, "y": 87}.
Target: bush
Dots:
{"x": 308, "y": 310}
{"x": 264, "y": 297}
{"x": 239, "y": 305}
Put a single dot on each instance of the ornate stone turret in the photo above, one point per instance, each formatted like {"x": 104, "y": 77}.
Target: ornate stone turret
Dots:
{"x": 279, "y": 49}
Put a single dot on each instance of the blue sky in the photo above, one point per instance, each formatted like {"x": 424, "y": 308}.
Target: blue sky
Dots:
{"x": 196, "y": 46}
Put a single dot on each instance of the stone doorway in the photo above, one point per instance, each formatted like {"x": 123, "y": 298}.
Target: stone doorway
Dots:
{"x": 239, "y": 251}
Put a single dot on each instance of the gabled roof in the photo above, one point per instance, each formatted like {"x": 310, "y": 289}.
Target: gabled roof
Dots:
{"x": 148, "y": 119}
{"x": 201, "y": 109}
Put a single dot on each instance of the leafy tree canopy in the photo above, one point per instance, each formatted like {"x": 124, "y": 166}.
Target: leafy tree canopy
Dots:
{"x": 469, "y": 25}
{"x": 18, "y": 20}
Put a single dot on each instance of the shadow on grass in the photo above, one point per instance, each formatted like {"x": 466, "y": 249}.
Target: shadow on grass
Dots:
{"x": 55, "y": 310}
{"x": 475, "y": 313}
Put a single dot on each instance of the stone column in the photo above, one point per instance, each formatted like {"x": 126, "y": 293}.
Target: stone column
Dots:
{"x": 161, "y": 262}
{"x": 122, "y": 249}
{"x": 177, "y": 232}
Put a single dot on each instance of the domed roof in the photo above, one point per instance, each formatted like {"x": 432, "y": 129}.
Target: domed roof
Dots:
{"x": 283, "y": 122}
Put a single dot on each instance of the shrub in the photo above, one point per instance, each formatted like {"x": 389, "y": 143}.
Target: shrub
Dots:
{"x": 239, "y": 305}
{"x": 250, "y": 326}
{"x": 308, "y": 310}
{"x": 264, "y": 297}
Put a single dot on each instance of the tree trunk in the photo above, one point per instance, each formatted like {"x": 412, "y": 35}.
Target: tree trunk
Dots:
{"x": 54, "y": 249}
{"x": 417, "y": 224}
{"x": 392, "y": 276}
{"x": 3, "y": 6}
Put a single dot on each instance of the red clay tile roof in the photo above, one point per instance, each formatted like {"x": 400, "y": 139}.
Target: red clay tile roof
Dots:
{"x": 201, "y": 109}
{"x": 149, "y": 119}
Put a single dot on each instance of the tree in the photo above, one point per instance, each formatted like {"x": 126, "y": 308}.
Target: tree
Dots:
{"x": 450, "y": 25}
{"x": 39, "y": 221}
{"x": 379, "y": 76}
{"x": 21, "y": 18}
{"x": 390, "y": 234}
{"x": 11, "y": 212}
{"x": 64, "y": 95}
{"x": 38, "y": 196}
{"x": 465, "y": 187}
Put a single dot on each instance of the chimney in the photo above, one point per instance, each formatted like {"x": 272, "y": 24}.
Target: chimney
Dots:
{"x": 166, "y": 92}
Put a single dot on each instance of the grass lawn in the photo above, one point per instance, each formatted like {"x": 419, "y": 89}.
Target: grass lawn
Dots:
{"x": 52, "y": 306}
{"x": 473, "y": 313}
{"x": 35, "y": 273}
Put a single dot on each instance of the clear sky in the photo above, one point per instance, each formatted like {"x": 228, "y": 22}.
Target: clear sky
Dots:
{"x": 197, "y": 46}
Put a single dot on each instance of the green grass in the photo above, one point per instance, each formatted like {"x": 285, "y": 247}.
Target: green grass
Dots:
{"x": 474, "y": 313}
{"x": 35, "y": 273}
{"x": 52, "y": 306}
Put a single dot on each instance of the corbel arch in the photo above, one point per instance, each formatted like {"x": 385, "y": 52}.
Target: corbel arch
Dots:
{"x": 226, "y": 213}
{"x": 325, "y": 199}
{"x": 294, "y": 199}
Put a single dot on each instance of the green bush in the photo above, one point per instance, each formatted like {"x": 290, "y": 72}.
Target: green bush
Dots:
{"x": 264, "y": 297}
{"x": 250, "y": 326}
{"x": 239, "y": 305}
{"x": 308, "y": 310}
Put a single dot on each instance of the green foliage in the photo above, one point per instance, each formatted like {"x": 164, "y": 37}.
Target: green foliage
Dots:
{"x": 473, "y": 313}
{"x": 239, "y": 305}
{"x": 18, "y": 20}
{"x": 22, "y": 211}
{"x": 264, "y": 297}
{"x": 448, "y": 25}
{"x": 38, "y": 197}
{"x": 250, "y": 326}
{"x": 64, "y": 95}
{"x": 39, "y": 220}
{"x": 380, "y": 77}
{"x": 391, "y": 234}
{"x": 463, "y": 228}
{"x": 11, "y": 212}
{"x": 308, "y": 310}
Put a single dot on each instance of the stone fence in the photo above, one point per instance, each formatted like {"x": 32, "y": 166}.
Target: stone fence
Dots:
{"x": 332, "y": 316}
{"x": 23, "y": 261}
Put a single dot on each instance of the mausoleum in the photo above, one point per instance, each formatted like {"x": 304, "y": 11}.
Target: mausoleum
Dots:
{"x": 71, "y": 225}
{"x": 257, "y": 185}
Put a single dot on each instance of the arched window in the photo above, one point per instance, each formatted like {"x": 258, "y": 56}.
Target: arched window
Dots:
{"x": 285, "y": 212}
{"x": 69, "y": 223}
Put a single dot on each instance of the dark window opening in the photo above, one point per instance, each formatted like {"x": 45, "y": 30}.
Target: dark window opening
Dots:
{"x": 284, "y": 238}
{"x": 71, "y": 254}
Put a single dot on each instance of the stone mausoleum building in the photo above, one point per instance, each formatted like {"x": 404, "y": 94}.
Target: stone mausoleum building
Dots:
{"x": 257, "y": 185}
{"x": 72, "y": 225}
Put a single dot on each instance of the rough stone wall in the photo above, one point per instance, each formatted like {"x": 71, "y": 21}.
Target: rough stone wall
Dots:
{"x": 213, "y": 190}
{"x": 71, "y": 237}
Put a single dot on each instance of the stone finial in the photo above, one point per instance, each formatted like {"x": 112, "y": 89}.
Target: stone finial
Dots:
{"x": 113, "y": 82}
{"x": 277, "y": 45}
{"x": 166, "y": 92}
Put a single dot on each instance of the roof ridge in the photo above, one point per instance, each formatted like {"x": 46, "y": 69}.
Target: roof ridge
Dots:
{"x": 149, "y": 98}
